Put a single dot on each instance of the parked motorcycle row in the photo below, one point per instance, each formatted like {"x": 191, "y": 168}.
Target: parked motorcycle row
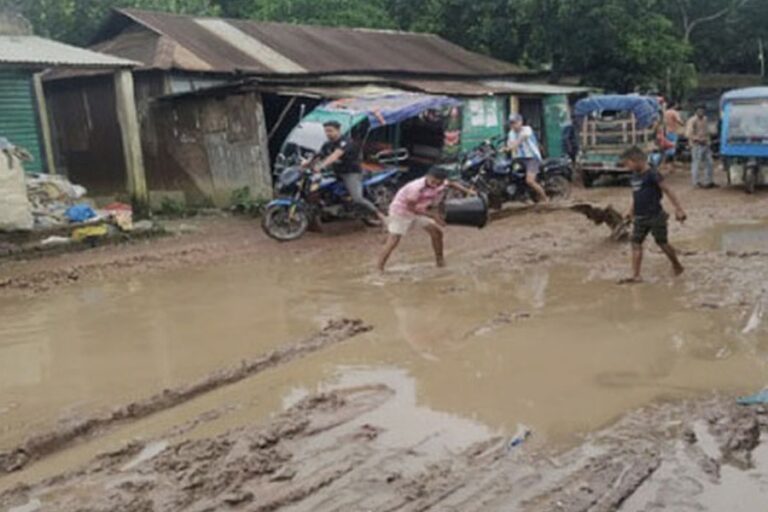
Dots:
{"x": 305, "y": 198}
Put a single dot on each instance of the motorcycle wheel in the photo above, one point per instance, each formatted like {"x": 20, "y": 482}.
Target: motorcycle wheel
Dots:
{"x": 278, "y": 223}
{"x": 750, "y": 181}
{"x": 558, "y": 187}
{"x": 382, "y": 196}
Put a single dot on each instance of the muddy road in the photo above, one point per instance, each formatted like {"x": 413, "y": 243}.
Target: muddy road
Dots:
{"x": 624, "y": 388}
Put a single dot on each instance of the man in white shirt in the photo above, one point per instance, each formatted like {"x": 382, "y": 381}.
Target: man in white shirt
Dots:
{"x": 523, "y": 145}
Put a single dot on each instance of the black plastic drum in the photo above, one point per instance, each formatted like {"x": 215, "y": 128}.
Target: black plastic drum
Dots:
{"x": 467, "y": 211}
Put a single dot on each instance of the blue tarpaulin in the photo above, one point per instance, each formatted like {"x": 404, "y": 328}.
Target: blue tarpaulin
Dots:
{"x": 749, "y": 93}
{"x": 646, "y": 109}
{"x": 391, "y": 108}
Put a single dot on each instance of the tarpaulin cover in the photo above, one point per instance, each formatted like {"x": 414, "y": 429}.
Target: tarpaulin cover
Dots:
{"x": 391, "y": 108}
{"x": 646, "y": 108}
{"x": 749, "y": 93}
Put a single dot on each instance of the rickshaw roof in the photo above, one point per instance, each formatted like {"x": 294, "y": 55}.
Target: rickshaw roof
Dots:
{"x": 645, "y": 108}
{"x": 749, "y": 93}
{"x": 387, "y": 109}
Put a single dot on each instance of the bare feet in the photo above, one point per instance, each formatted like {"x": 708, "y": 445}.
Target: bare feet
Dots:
{"x": 440, "y": 262}
{"x": 678, "y": 269}
{"x": 631, "y": 280}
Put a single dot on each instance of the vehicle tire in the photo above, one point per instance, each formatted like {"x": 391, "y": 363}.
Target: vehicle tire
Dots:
{"x": 587, "y": 179}
{"x": 558, "y": 187}
{"x": 750, "y": 181}
{"x": 278, "y": 224}
{"x": 382, "y": 196}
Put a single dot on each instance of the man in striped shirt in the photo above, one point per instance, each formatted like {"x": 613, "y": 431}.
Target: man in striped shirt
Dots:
{"x": 523, "y": 145}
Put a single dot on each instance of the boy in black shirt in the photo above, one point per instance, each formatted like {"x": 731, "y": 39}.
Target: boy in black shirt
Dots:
{"x": 648, "y": 189}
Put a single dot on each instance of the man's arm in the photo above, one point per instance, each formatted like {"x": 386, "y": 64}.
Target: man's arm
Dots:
{"x": 461, "y": 188}
{"x": 689, "y": 129}
{"x": 679, "y": 212}
{"x": 331, "y": 159}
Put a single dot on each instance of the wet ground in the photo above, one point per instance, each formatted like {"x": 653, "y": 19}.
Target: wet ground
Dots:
{"x": 525, "y": 327}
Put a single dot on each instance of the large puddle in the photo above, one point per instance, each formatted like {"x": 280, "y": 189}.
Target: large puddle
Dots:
{"x": 481, "y": 348}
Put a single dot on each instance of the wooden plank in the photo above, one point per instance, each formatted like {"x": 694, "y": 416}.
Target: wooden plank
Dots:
{"x": 45, "y": 123}
{"x": 131, "y": 139}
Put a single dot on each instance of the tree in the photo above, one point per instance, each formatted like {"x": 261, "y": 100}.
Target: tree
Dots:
{"x": 76, "y": 21}
{"x": 350, "y": 13}
{"x": 708, "y": 12}
{"x": 621, "y": 45}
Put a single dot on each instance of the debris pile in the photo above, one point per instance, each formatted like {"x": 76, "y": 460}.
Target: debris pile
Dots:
{"x": 51, "y": 197}
{"x": 52, "y": 209}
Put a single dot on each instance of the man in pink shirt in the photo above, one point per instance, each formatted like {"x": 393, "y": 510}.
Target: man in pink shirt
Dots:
{"x": 410, "y": 208}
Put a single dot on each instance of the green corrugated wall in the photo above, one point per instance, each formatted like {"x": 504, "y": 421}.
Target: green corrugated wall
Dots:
{"x": 18, "y": 114}
{"x": 556, "y": 116}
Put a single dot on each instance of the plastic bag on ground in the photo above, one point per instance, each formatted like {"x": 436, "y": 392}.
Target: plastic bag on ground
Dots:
{"x": 80, "y": 213}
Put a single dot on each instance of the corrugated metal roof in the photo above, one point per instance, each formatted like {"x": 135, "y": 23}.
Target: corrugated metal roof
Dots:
{"x": 512, "y": 87}
{"x": 452, "y": 87}
{"x": 39, "y": 52}
{"x": 227, "y": 46}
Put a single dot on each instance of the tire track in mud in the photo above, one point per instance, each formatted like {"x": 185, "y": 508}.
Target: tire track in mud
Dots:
{"x": 323, "y": 454}
{"x": 47, "y": 443}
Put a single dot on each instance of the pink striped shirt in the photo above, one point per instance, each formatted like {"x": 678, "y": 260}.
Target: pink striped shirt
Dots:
{"x": 418, "y": 193}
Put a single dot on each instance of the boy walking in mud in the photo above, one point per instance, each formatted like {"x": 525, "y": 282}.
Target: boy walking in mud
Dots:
{"x": 646, "y": 211}
{"x": 411, "y": 208}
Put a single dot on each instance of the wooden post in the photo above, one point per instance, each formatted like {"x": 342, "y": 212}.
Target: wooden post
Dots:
{"x": 45, "y": 124}
{"x": 131, "y": 139}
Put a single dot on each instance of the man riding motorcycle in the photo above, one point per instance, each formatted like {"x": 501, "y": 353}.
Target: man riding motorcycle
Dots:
{"x": 342, "y": 156}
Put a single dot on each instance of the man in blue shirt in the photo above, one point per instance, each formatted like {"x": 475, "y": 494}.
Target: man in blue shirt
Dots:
{"x": 648, "y": 189}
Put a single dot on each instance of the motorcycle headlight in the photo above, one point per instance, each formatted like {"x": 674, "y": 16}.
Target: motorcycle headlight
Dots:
{"x": 288, "y": 178}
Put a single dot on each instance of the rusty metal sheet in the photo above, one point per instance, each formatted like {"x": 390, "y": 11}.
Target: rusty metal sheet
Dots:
{"x": 230, "y": 46}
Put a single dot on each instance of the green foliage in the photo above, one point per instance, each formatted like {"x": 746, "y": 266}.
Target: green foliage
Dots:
{"x": 76, "y": 21}
{"x": 173, "y": 208}
{"x": 349, "y": 13}
{"x": 244, "y": 203}
{"x": 621, "y": 45}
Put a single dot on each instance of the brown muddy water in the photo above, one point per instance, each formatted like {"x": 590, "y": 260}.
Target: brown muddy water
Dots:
{"x": 470, "y": 349}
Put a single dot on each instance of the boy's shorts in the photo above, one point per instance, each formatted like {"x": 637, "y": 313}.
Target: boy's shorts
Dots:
{"x": 656, "y": 225}
{"x": 401, "y": 224}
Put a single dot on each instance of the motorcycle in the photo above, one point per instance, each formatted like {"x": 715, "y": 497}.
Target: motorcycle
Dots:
{"x": 502, "y": 179}
{"x": 305, "y": 198}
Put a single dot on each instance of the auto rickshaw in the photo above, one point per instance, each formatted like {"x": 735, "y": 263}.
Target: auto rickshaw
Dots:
{"x": 744, "y": 137}
{"x": 607, "y": 125}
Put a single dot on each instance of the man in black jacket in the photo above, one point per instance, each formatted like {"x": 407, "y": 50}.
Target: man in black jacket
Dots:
{"x": 342, "y": 156}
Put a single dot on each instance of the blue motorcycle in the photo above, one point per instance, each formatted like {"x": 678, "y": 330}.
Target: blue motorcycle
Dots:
{"x": 305, "y": 198}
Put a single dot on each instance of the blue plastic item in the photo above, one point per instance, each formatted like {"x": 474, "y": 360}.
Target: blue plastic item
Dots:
{"x": 756, "y": 399}
{"x": 391, "y": 108}
{"x": 647, "y": 109}
{"x": 79, "y": 213}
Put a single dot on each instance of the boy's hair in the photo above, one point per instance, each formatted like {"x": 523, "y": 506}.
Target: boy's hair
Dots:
{"x": 438, "y": 173}
{"x": 332, "y": 124}
{"x": 634, "y": 154}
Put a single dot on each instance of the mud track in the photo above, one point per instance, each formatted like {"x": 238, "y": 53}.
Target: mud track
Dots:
{"x": 322, "y": 455}
{"x": 46, "y": 443}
